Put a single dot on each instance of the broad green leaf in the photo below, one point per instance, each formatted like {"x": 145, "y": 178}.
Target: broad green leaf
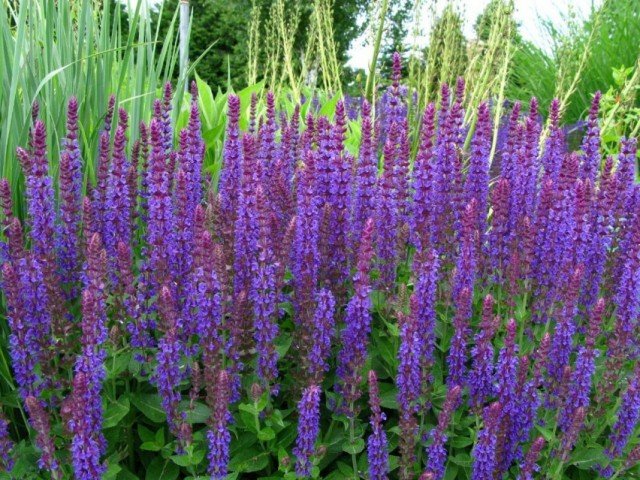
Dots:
{"x": 188, "y": 460}
{"x": 353, "y": 448}
{"x": 113, "y": 469}
{"x": 150, "y": 406}
{"x": 162, "y": 469}
{"x": 115, "y": 412}
{"x": 585, "y": 458}
{"x": 151, "y": 446}
{"x": 266, "y": 434}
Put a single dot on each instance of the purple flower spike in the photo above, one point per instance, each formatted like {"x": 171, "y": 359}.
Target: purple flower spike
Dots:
{"x": 117, "y": 226}
{"x": 39, "y": 420}
{"x": 218, "y": 435}
{"x": 306, "y": 255}
{"x": 323, "y": 323}
{"x": 355, "y": 336}
{"x": 377, "y": 453}
{"x": 591, "y": 142}
{"x": 160, "y": 231}
{"x": 231, "y": 173}
{"x": 562, "y": 343}
{"x": 628, "y": 416}
{"x": 308, "y": 428}
{"x": 477, "y": 182}
{"x": 40, "y": 195}
{"x": 21, "y": 336}
{"x": 409, "y": 374}
{"x": 484, "y": 452}
{"x": 6, "y": 445}
{"x": 436, "y": 453}
{"x": 70, "y": 201}
{"x": 530, "y": 466}
{"x": 387, "y": 214}
{"x": 423, "y": 183}
{"x": 87, "y": 444}
{"x": 481, "y": 375}
{"x": 168, "y": 375}
{"x": 366, "y": 174}
{"x": 426, "y": 266}
{"x": 580, "y": 390}
{"x": 457, "y": 358}
{"x": 264, "y": 297}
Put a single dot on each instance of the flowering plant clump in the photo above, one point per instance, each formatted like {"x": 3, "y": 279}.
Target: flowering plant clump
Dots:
{"x": 347, "y": 299}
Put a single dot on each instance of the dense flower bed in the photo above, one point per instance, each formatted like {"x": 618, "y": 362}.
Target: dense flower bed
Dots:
{"x": 423, "y": 312}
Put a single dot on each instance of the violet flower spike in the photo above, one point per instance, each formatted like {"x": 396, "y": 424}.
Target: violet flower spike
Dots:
{"x": 218, "y": 435}
{"x": 377, "y": 453}
{"x": 484, "y": 451}
{"x": 436, "y": 453}
{"x": 323, "y": 323}
{"x": 308, "y": 429}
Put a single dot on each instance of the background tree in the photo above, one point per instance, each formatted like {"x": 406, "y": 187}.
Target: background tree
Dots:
{"x": 220, "y": 23}
{"x": 226, "y": 22}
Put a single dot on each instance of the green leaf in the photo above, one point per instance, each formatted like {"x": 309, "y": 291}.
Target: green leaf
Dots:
{"x": 112, "y": 471}
{"x": 162, "y": 469}
{"x": 188, "y": 460}
{"x": 461, "y": 441}
{"x": 151, "y": 447}
{"x": 115, "y": 412}
{"x": 126, "y": 475}
{"x": 353, "y": 448}
{"x": 462, "y": 459}
{"x": 587, "y": 457}
{"x": 329, "y": 108}
{"x": 545, "y": 432}
{"x": 159, "y": 438}
{"x": 249, "y": 460}
{"x": 199, "y": 414}
{"x": 145, "y": 434}
{"x": 345, "y": 469}
{"x": 266, "y": 434}
{"x": 118, "y": 364}
{"x": 150, "y": 406}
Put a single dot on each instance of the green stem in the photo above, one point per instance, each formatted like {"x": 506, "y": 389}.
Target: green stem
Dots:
{"x": 352, "y": 441}
{"x": 376, "y": 51}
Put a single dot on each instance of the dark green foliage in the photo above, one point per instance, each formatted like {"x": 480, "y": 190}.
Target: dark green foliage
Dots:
{"x": 222, "y": 24}
{"x": 614, "y": 44}
{"x": 225, "y": 24}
